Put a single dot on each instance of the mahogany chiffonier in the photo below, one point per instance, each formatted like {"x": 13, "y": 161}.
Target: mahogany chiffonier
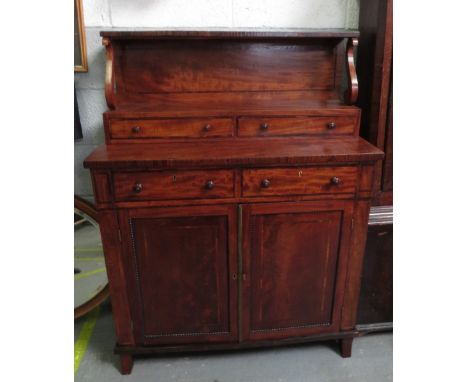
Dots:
{"x": 233, "y": 188}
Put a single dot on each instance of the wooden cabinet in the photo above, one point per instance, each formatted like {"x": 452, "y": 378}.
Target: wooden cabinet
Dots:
{"x": 375, "y": 71}
{"x": 376, "y": 299}
{"x": 233, "y": 189}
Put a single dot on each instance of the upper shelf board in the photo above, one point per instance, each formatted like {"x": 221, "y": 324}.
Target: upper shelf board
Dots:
{"x": 247, "y": 33}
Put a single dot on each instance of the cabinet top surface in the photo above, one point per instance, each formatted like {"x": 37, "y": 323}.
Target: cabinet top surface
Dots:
{"x": 227, "y": 33}
{"x": 236, "y": 152}
{"x": 232, "y": 104}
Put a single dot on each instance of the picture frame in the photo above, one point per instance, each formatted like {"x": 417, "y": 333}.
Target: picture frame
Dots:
{"x": 80, "y": 56}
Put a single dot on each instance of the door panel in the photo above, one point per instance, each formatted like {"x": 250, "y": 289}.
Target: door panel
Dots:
{"x": 182, "y": 260}
{"x": 293, "y": 261}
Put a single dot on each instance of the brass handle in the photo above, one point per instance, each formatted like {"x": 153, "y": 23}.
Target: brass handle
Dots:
{"x": 207, "y": 127}
{"x": 335, "y": 180}
{"x": 265, "y": 183}
{"x": 136, "y": 129}
{"x": 264, "y": 126}
{"x": 209, "y": 185}
{"x": 331, "y": 125}
{"x": 138, "y": 187}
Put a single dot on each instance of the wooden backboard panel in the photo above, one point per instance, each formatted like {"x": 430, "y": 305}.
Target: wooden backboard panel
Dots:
{"x": 208, "y": 66}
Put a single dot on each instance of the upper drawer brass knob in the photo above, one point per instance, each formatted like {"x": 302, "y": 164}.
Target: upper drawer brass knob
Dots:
{"x": 335, "y": 180}
{"x": 331, "y": 125}
{"x": 207, "y": 127}
{"x": 264, "y": 126}
{"x": 265, "y": 183}
{"x": 209, "y": 185}
{"x": 136, "y": 129}
{"x": 138, "y": 187}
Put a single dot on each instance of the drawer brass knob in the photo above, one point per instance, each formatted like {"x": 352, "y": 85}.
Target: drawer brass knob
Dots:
{"x": 331, "y": 125}
{"x": 207, "y": 127}
{"x": 136, "y": 129}
{"x": 138, "y": 187}
{"x": 209, "y": 185}
{"x": 264, "y": 126}
{"x": 335, "y": 180}
{"x": 265, "y": 183}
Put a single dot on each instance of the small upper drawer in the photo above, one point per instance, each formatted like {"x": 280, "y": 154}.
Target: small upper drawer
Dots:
{"x": 173, "y": 185}
{"x": 299, "y": 181}
{"x": 171, "y": 128}
{"x": 281, "y": 126}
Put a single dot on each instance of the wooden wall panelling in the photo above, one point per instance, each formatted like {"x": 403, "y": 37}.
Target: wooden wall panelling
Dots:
{"x": 387, "y": 171}
{"x": 374, "y": 66}
{"x": 375, "y": 69}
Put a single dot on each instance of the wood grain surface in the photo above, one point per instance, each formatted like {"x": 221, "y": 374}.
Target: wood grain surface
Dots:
{"x": 233, "y": 187}
{"x": 233, "y": 153}
{"x": 171, "y": 128}
{"x": 299, "y": 181}
{"x": 227, "y": 33}
{"x": 298, "y": 126}
{"x": 169, "y": 184}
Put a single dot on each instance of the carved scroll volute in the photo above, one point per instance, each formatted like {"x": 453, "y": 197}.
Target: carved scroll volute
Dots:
{"x": 352, "y": 92}
{"x": 109, "y": 79}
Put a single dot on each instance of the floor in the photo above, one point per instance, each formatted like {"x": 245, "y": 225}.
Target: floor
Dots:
{"x": 317, "y": 362}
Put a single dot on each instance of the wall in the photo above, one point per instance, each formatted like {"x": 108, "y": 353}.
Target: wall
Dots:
{"x": 107, "y": 14}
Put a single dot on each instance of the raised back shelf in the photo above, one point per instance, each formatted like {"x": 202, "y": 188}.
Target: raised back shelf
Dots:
{"x": 166, "y": 85}
{"x": 157, "y": 70}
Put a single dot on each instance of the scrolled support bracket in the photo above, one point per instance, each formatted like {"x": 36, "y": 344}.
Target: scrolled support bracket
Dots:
{"x": 351, "y": 93}
{"x": 109, "y": 77}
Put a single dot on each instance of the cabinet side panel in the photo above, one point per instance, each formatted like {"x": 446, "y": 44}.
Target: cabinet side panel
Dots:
{"x": 116, "y": 274}
{"x": 101, "y": 186}
{"x": 356, "y": 256}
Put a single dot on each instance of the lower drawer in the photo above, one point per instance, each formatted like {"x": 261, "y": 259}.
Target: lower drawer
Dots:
{"x": 173, "y": 185}
{"x": 299, "y": 181}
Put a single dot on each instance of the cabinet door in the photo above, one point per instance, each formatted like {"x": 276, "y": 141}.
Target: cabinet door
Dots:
{"x": 294, "y": 268}
{"x": 181, "y": 264}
